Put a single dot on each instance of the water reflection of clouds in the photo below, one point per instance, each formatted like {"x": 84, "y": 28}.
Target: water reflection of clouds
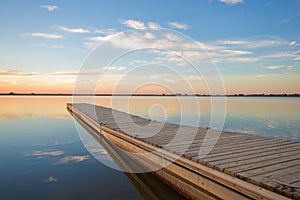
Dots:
{"x": 54, "y": 153}
{"x": 271, "y": 124}
{"x": 96, "y": 149}
{"x": 51, "y": 179}
{"x": 42, "y": 154}
{"x": 99, "y": 152}
{"x": 75, "y": 159}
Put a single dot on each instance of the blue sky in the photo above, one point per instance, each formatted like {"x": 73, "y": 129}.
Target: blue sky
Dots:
{"x": 254, "y": 43}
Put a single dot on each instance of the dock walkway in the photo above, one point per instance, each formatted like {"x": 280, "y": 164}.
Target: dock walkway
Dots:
{"x": 239, "y": 166}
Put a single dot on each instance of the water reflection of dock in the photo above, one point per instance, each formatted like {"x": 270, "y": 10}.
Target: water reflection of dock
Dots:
{"x": 147, "y": 184}
{"x": 239, "y": 166}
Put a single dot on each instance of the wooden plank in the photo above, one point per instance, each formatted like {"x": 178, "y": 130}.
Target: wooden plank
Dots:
{"x": 235, "y": 149}
{"x": 234, "y": 162}
{"x": 287, "y": 176}
{"x": 222, "y": 140}
{"x": 279, "y": 173}
{"x": 221, "y": 146}
{"x": 254, "y": 149}
{"x": 243, "y": 154}
{"x": 239, "y": 158}
{"x": 266, "y": 166}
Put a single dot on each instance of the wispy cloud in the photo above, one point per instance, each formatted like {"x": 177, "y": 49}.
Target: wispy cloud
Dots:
{"x": 95, "y": 40}
{"x": 231, "y": 2}
{"x": 61, "y": 73}
{"x": 254, "y": 43}
{"x": 42, "y": 35}
{"x": 178, "y": 25}
{"x": 51, "y": 179}
{"x": 266, "y": 75}
{"x": 100, "y": 38}
{"x": 133, "y": 24}
{"x": 292, "y": 43}
{"x": 139, "y": 25}
{"x": 109, "y": 31}
{"x": 74, "y": 30}
{"x": 290, "y": 18}
{"x": 242, "y": 50}
{"x": 236, "y": 52}
{"x": 153, "y": 26}
{"x": 73, "y": 159}
{"x": 115, "y": 68}
{"x": 49, "y": 7}
{"x": 274, "y": 67}
{"x": 231, "y": 42}
{"x": 243, "y": 59}
{"x": 280, "y": 55}
{"x": 290, "y": 67}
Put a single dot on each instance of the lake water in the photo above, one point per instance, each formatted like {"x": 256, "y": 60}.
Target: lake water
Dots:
{"x": 42, "y": 156}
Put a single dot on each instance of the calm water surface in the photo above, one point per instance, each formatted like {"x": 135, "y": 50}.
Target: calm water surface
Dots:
{"x": 42, "y": 156}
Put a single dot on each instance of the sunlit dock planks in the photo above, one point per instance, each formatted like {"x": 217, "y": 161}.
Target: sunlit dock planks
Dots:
{"x": 239, "y": 166}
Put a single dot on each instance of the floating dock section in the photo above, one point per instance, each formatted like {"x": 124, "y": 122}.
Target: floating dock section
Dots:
{"x": 238, "y": 166}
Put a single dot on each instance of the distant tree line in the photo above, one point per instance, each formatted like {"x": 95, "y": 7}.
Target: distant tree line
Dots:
{"x": 177, "y": 94}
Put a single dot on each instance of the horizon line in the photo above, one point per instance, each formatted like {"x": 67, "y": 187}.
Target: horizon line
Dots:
{"x": 177, "y": 94}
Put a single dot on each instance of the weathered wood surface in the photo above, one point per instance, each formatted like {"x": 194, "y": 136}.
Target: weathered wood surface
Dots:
{"x": 271, "y": 163}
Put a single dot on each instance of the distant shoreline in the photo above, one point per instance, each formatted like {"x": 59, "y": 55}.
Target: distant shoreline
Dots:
{"x": 155, "y": 95}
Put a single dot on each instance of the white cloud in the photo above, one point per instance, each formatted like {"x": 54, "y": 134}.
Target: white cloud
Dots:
{"x": 231, "y": 42}
{"x": 90, "y": 45}
{"x": 280, "y": 55}
{"x": 132, "y": 40}
{"x": 231, "y": 2}
{"x": 172, "y": 37}
{"x": 254, "y": 43}
{"x": 74, "y": 30}
{"x": 235, "y": 52}
{"x": 73, "y": 159}
{"x": 149, "y": 36}
{"x": 49, "y": 7}
{"x": 109, "y": 31}
{"x": 243, "y": 59}
{"x": 61, "y": 73}
{"x": 42, "y": 35}
{"x": 115, "y": 68}
{"x": 266, "y": 75}
{"x": 94, "y": 41}
{"x": 179, "y": 25}
{"x": 292, "y": 43}
{"x": 153, "y": 26}
{"x": 274, "y": 67}
{"x": 100, "y": 38}
{"x": 51, "y": 179}
{"x": 290, "y": 67}
{"x": 134, "y": 24}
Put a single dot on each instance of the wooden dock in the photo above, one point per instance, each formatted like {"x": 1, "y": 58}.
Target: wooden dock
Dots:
{"x": 239, "y": 166}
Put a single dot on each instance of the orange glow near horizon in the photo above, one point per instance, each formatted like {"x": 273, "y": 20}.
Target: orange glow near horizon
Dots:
{"x": 233, "y": 85}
